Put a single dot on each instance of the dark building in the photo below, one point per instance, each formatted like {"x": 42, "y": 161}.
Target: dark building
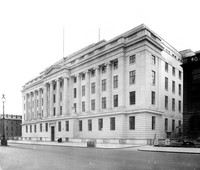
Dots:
{"x": 12, "y": 126}
{"x": 191, "y": 93}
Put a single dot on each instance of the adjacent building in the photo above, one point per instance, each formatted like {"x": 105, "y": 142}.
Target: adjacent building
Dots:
{"x": 191, "y": 97}
{"x": 12, "y": 126}
{"x": 125, "y": 90}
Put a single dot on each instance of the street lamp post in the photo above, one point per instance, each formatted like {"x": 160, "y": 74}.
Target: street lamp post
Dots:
{"x": 3, "y": 141}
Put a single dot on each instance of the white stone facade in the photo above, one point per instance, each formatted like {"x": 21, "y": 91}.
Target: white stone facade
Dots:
{"x": 111, "y": 91}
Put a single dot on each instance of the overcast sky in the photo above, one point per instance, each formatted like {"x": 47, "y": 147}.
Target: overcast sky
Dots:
{"x": 31, "y": 32}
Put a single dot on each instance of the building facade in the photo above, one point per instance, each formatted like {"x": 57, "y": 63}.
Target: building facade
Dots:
{"x": 12, "y": 126}
{"x": 191, "y": 97}
{"x": 127, "y": 90}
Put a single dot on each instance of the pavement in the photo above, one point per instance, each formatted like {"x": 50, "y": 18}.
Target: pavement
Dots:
{"x": 146, "y": 148}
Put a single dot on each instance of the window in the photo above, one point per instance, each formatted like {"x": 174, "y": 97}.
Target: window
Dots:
{"x": 93, "y": 88}
{"x": 153, "y": 123}
{"x": 83, "y": 106}
{"x": 54, "y": 98}
{"x": 100, "y": 122}
{"x": 92, "y": 73}
{"x": 153, "y": 59}
{"x": 35, "y": 128}
{"x": 132, "y": 122}
{"x": 75, "y": 107}
{"x": 132, "y": 59}
{"x": 60, "y": 110}
{"x": 166, "y": 83}
{"x": 46, "y": 127}
{"x": 30, "y": 128}
{"x": 153, "y": 74}
{"x": 103, "y": 102}
{"x": 166, "y": 67}
{"x": 173, "y": 125}
{"x": 115, "y": 65}
{"x": 104, "y": 85}
{"x": 173, "y": 104}
{"x": 179, "y": 75}
{"x": 115, "y": 100}
{"x": 61, "y": 96}
{"x": 59, "y": 126}
{"x": 173, "y": 86}
{"x": 132, "y": 77}
{"x": 179, "y": 89}
{"x": 80, "y": 125}
{"x": 112, "y": 123}
{"x": 40, "y": 127}
{"x": 173, "y": 71}
{"x": 115, "y": 79}
{"x": 132, "y": 97}
{"x": 90, "y": 125}
{"x": 166, "y": 102}
{"x": 26, "y": 129}
{"x": 75, "y": 79}
{"x": 67, "y": 125}
{"x": 42, "y": 101}
{"x": 179, "y": 106}
{"x": 103, "y": 69}
{"x": 93, "y": 104}
{"x": 83, "y": 76}
{"x": 153, "y": 97}
{"x": 83, "y": 90}
{"x": 54, "y": 111}
{"x": 166, "y": 124}
{"x": 74, "y": 92}
{"x": 54, "y": 86}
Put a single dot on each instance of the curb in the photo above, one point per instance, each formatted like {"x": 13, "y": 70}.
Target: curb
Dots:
{"x": 146, "y": 150}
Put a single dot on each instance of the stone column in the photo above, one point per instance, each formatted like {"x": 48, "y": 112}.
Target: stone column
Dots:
{"x": 97, "y": 90}
{"x": 45, "y": 100}
{"x": 79, "y": 93}
{"x": 109, "y": 84}
{"x": 39, "y": 104}
{"x": 65, "y": 103}
{"x": 122, "y": 80}
{"x": 58, "y": 97}
{"x": 51, "y": 99}
{"x": 35, "y": 104}
{"x": 87, "y": 89}
{"x": 26, "y": 117}
{"x": 70, "y": 96}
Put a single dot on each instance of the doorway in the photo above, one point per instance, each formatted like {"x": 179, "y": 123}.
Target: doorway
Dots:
{"x": 52, "y": 133}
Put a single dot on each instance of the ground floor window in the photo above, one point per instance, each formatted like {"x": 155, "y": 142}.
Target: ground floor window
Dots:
{"x": 132, "y": 122}
{"x": 100, "y": 121}
{"x": 153, "y": 123}
{"x": 112, "y": 123}
{"x": 59, "y": 126}
{"x": 80, "y": 125}
{"x": 90, "y": 125}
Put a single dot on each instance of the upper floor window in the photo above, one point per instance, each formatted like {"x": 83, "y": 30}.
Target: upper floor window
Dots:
{"x": 83, "y": 76}
{"x": 103, "y": 69}
{"x": 104, "y": 85}
{"x": 166, "y": 66}
{"x": 166, "y": 102}
{"x": 179, "y": 89}
{"x": 115, "y": 83}
{"x": 93, "y": 88}
{"x": 115, "y": 100}
{"x": 173, "y": 71}
{"x": 173, "y": 86}
{"x": 153, "y": 98}
{"x": 153, "y": 59}
{"x": 132, "y": 77}
{"x": 74, "y": 92}
{"x": 173, "y": 104}
{"x": 153, "y": 77}
{"x": 75, "y": 79}
{"x": 132, "y": 97}
{"x": 179, "y": 75}
{"x": 166, "y": 83}
{"x": 83, "y": 90}
{"x": 93, "y": 104}
{"x": 83, "y": 106}
{"x": 103, "y": 102}
{"x": 179, "y": 106}
{"x": 132, "y": 59}
{"x": 92, "y": 73}
{"x": 115, "y": 65}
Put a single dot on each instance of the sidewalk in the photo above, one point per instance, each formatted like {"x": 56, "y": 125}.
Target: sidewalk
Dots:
{"x": 73, "y": 144}
{"x": 170, "y": 149}
{"x": 146, "y": 148}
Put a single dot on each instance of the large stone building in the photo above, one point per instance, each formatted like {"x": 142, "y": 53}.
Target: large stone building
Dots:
{"x": 191, "y": 97}
{"x": 12, "y": 126}
{"x": 126, "y": 90}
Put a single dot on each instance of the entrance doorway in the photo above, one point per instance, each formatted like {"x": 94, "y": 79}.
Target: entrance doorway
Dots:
{"x": 52, "y": 133}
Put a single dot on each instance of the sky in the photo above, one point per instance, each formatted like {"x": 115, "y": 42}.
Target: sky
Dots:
{"x": 31, "y": 32}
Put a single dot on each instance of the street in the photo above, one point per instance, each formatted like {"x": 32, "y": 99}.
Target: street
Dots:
{"x": 32, "y": 157}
